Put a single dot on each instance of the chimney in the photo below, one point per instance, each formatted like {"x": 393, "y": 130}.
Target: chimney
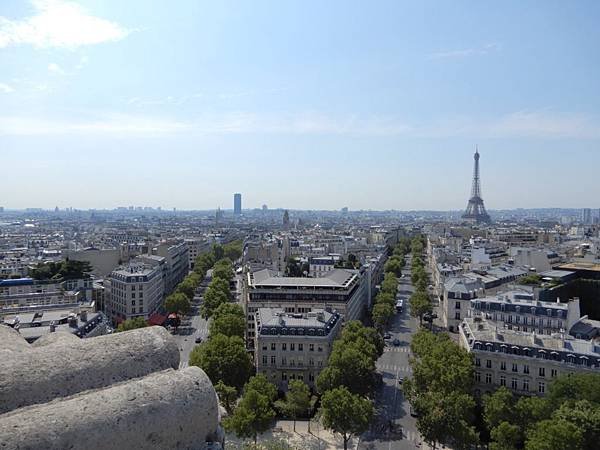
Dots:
{"x": 83, "y": 316}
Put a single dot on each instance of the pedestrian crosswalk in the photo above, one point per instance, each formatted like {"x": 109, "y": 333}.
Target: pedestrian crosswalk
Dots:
{"x": 183, "y": 364}
{"x": 396, "y": 349}
{"x": 393, "y": 368}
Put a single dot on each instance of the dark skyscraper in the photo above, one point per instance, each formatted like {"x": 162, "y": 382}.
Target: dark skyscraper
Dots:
{"x": 237, "y": 204}
{"x": 475, "y": 208}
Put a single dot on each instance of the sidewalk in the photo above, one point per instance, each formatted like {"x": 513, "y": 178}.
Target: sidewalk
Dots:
{"x": 283, "y": 430}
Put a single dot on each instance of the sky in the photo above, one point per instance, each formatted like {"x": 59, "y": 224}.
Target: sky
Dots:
{"x": 299, "y": 104}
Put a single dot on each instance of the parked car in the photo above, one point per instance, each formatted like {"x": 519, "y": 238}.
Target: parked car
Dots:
{"x": 198, "y": 340}
{"x": 387, "y": 336}
{"x": 396, "y": 342}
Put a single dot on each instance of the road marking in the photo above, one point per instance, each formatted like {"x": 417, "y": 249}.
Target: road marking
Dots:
{"x": 393, "y": 368}
{"x": 396, "y": 349}
{"x": 183, "y": 364}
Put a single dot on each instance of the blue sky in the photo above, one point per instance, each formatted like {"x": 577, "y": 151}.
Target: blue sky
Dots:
{"x": 308, "y": 104}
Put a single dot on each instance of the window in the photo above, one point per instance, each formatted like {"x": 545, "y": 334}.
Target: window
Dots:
{"x": 133, "y": 295}
{"x": 311, "y": 347}
{"x": 525, "y": 368}
{"x": 311, "y": 376}
{"x": 320, "y": 363}
{"x": 300, "y": 347}
{"x": 457, "y": 315}
{"x": 477, "y": 377}
{"x": 264, "y": 347}
{"x": 513, "y": 383}
{"x": 284, "y": 347}
{"x": 292, "y": 363}
{"x": 311, "y": 362}
{"x": 272, "y": 360}
{"x": 488, "y": 364}
{"x": 292, "y": 347}
{"x": 132, "y": 302}
{"x": 542, "y": 372}
{"x": 502, "y": 380}
{"x": 515, "y": 368}
{"x": 553, "y": 373}
{"x": 526, "y": 385}
{"x": 283, "y": 361}
{"x": 477, "y": 362}
{"x": 320, "y": 348}
{"x": 273, "y": 346}
{"x": 503, "y": 365}
{"x": 264, "y": 360}
{"x": 488, "y": 378}
{"x": 457, "y": 305}
{"x": 283, "y": 376}
{"x": 541, "y": 387}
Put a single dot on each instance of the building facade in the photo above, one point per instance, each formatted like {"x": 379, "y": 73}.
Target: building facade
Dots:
{"x": 344, "y": 291}
{"x": 136, "y": 290}
{"x": 294, "y": 346}
{"x": 525, "y": 363}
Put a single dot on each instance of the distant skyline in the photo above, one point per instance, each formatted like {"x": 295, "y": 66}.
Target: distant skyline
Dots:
{"x": 299, "y": 104}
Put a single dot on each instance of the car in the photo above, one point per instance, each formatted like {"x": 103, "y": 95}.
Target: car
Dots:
{"x": 396, "y": 342}
{"x": 387, "y": 336}
{"x": 198, "y": 340}
{"x": 400, "y": 380}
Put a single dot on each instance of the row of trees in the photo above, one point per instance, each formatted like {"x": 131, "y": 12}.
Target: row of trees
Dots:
{"x": 568, "y": 418}
{"x": 420, "y": 303}
{"x": 385, "y": 301}
{"x": 218, "y": 291}
{"x": 440, "y": 390}
{"x": 349, "y": 380}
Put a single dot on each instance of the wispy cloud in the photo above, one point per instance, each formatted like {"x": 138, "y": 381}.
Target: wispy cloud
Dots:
{"x": 542, "y": 124}
{"x": 466, "y": 52}
{"x": 59, "y": 23}
{"x": 55, "y": 69}
{"x": 6, "y": 88}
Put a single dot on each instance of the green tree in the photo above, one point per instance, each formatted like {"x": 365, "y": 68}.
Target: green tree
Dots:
{"x": 554, "y": 435}
{"x": 367, "y": 338}
{"x": 345, "y": 413}
{"x": 223, "y": 358}
{"x": 382, "y": 313}
{"x": 178, "y": 303}
{"x": 349, "y": 365}
{"x": 223, "y": 269}
{"x": 498, "y": 407}
{"x": 228, "y": 319}
{"x": 233, "y": 250}
{"x": 420, "y": 305}
{"x": 227, "y": 396}
{"x": 218, "y": 252}
{"x": 394, "y": 265}
{"x": 260, "y": 384}
{"x": 505, "y": 436}
{"x": 297, "y": 399}
{"x": 253, "y": 415}
{"x": 132, "y": 324}
{"x": 585, "y": 415}
{"x": 188, "y": 286}
{"x": 213, "y": 298}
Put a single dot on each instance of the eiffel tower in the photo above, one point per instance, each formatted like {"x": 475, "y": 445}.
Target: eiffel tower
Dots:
{"x": 475, "y": 209}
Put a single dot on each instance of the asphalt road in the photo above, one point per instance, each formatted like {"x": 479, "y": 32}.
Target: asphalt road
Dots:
{"x": 391, "y": 407}
{"x": 193, "y": 325}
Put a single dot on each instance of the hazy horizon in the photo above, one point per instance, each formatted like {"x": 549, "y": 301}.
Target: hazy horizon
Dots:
{"x": 299, "y": 105}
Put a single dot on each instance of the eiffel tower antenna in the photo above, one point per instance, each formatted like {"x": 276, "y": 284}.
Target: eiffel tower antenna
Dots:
{"x": 475, "y": 208}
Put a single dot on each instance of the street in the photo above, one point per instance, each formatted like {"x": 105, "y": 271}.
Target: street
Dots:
{"x": 391, "y": 407}
{"x": 193, "y": 325}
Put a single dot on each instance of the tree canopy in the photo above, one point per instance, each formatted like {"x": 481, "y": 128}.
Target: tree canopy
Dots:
{"x": 228, "y": 319}
{"x": 68, "y": 269}
{"x": 178, "y": 303}
{"x": 345, "y": 413}
{"x": 132, "y": 324}
{"x": 223, "y": 358}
